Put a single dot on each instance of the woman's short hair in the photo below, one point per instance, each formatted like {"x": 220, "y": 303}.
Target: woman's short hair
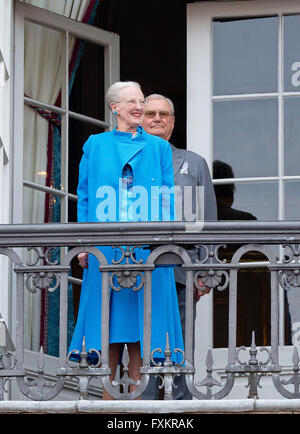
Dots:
{"x": 158, "y": 96}
{"x": 113, "y": 93}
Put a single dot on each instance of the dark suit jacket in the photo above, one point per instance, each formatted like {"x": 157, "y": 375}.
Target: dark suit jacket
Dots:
{"x": 229, "y": 213}
{"x": 190, "y": 169}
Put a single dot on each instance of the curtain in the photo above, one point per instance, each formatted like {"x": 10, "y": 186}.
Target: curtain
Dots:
{"x": 42, "y": 81}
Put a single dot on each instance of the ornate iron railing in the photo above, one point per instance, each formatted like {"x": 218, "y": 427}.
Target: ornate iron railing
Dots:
{"x": 169, "y": 243}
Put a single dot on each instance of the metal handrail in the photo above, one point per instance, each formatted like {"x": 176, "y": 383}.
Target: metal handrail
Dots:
{"x": 169, "y": 244}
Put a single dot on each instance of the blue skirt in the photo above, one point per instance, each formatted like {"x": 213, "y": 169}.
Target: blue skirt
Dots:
{"x": 126, "y": 312}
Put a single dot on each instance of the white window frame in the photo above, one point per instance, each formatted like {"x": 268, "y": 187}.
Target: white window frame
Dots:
{"x": 110, "y": 42}
{"x": 200, "y": 123}
{"x": 6, "y": 74}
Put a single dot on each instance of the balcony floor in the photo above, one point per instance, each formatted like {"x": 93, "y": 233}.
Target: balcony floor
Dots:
{"x": 233, "y": 406}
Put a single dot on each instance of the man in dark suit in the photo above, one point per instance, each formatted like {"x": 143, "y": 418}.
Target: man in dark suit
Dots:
{"x": 225, "y": 194}
{"x": 190, "y": 171}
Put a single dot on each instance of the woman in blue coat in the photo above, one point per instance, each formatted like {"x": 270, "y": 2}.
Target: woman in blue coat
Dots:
{"x": 113, "y": 165}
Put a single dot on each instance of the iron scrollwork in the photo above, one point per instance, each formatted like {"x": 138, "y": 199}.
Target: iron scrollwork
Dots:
{"x": 8, "y": 362}
{"x": 126, "y": 277}
{"x": 167, "y": 370}
{"x": 253, "y": 369}
{"x": 39, "y": 388}
{"x": 294, "y": 380}
{"x": 43, "y": 271}
{"x": 290, "y": 278}
{"x": 40, "y": 275}
{"x": 212, "y": 277}
{"x": 88, "y": 362}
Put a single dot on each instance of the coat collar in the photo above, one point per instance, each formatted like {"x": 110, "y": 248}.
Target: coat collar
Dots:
{"x": 129, "y": 147}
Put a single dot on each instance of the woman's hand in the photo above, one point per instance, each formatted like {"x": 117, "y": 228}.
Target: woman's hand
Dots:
{"x": 83, "y": 259}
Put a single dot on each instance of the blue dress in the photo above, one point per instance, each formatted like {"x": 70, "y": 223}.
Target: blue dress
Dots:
{"x": 113, "y": 163}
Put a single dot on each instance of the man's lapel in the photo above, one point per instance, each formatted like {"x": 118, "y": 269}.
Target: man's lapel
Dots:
{"x": 177, "y": 159}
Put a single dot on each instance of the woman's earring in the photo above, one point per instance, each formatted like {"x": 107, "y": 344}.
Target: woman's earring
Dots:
{"x": 115, "y": 112}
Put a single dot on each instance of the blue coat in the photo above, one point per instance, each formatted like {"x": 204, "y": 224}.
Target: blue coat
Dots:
{"x": 100, "y": 199}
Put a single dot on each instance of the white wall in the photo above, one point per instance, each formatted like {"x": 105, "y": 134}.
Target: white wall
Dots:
{"x": 6, "y": 64}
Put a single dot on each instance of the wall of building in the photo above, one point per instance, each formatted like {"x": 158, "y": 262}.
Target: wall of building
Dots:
{"x": 6, "y": 65}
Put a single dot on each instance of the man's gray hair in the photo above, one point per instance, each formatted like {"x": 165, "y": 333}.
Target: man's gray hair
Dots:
{"x": 158, "y": 96}
{"x": 113, "y": 93}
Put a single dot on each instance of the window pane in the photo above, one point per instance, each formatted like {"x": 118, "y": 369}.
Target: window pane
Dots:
{"x": 37, "y": 205}
{"x": 292, "y": 200}
{"x": 245, "y": 56}
{"x": 86, "y": 84}
{"x": 42, "y": 147}
{"x": 291, "y": 53}
{"x": 258, "y": 198}
{"x": 245, "y": 136}
{"x": 43, "y": 66}
{"x": 291, "y": 136}
{"x": 41, "y": 164}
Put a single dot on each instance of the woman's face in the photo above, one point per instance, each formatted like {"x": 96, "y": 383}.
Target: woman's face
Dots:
{"x": 130, "y": 108}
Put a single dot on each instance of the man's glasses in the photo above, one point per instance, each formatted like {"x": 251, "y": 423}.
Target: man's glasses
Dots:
{"x": 150, "y": 114}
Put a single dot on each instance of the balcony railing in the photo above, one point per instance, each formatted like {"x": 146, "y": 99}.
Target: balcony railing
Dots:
{"x": 169, "y": 244}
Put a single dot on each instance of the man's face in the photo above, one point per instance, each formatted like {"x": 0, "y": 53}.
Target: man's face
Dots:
{"x": 158, "y": 119}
